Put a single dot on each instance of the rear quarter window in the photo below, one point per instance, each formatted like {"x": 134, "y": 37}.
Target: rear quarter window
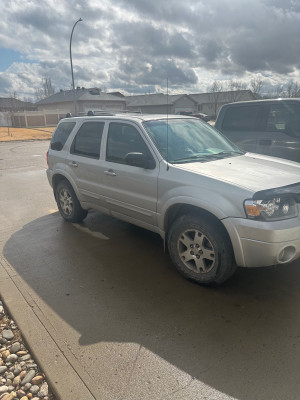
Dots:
{"x": 61, "y": 134}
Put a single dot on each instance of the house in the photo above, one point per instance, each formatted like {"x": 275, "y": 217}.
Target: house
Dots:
{"x": 10, "y": 104}
{"x": 87, "y": 99}
{"x": 159, "y": 103}
{"x": 207, "y": 103}
{"x": 210, "y": 103}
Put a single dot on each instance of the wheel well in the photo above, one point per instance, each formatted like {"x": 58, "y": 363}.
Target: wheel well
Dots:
{"x": 178, "y": 210}
{"x": 56, "y": 179}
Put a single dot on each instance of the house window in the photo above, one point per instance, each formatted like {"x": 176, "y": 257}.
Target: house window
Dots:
{"x": 200, "y": 107}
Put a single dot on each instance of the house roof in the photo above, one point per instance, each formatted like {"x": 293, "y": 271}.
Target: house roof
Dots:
{"x": 12, "y": 103}
{"x": 154, "y": 99}
{"x": 224, "y": 97}
{"x": 81, "y": 94}
{"x": 118, "y": 94}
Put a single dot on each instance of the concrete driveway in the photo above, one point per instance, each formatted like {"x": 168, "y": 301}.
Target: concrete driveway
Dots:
{"x": 122, "y": 320}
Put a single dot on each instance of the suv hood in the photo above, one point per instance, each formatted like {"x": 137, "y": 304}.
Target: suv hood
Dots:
{"x": 254, "y": 172}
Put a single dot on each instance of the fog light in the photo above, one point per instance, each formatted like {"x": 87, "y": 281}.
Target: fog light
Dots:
{"x": 286, "y": 254}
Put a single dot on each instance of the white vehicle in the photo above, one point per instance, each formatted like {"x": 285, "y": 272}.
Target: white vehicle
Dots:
{"x": 215, "y": 206}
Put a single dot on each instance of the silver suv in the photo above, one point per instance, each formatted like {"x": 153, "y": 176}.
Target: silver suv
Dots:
{"x": 214, "y": 205}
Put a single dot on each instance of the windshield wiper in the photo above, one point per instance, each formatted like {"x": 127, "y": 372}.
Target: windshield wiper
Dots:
{"x": 211, "y": 156}
{"x": 230, "y": 153}
{"x": 191, "y": 158}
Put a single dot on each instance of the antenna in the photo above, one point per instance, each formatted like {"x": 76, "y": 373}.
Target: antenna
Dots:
{"x": 168, "y": 124}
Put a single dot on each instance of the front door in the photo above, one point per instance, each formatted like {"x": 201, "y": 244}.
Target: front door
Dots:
{"x": 131, "y": 192}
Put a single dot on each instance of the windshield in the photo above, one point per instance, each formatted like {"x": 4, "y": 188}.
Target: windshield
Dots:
{"x": 188, "y": 140}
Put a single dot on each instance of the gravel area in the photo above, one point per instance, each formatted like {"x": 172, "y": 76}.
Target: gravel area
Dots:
{"x": 20, "y": 376}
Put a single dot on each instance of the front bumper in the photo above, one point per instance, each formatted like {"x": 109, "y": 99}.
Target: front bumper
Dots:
{"x": 261, "y": 244}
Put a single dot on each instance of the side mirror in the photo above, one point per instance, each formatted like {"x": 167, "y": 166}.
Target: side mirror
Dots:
{"x": 139, "y": 160}
{"x": 56, "y": 146}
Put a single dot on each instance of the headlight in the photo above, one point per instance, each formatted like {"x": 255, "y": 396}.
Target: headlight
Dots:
{"x": 273, "y": 209}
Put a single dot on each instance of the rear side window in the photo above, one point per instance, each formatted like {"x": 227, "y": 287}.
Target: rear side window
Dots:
{"x": 284, "y": 118}
{"x": 88, "y": 140}
{"x": 242, "y": 118}
{"x": 61, "y": 135}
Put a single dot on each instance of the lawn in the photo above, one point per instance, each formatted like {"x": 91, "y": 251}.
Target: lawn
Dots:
{"x": 25, "y": 133}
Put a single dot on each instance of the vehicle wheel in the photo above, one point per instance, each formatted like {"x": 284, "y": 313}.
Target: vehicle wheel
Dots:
{"x": 201, "y": 250}
{"x": 68, "y": 204}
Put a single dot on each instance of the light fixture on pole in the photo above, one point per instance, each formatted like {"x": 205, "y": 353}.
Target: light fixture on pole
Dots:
{"x": 73, "y": 84}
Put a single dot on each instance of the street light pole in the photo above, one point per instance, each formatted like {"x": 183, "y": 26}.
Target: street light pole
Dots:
{"x": 73, "y": 84}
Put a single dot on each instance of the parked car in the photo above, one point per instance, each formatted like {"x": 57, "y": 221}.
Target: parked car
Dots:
{"x": 215, "y": 206}
{"x": 202, "y": 116}
{"x": 270, "y": 127}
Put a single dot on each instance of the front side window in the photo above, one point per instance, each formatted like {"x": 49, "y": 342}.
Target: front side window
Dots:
{"x": 123, "y": 139}
{"x": 61, "y": 135}
{"x": 88, "y": 140}
{"x": 188, "y": 140}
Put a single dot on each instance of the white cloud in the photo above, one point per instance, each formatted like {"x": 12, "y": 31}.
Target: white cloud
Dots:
{"x": 134, "y": 45}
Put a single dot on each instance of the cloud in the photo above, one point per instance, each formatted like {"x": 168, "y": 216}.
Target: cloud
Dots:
{"x": 134, "y": 45}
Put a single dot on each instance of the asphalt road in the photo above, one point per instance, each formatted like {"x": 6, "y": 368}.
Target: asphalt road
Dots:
{"x": 129, "y": 325}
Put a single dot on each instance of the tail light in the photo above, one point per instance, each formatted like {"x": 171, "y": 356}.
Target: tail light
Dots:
{"x": 47, "y": 157}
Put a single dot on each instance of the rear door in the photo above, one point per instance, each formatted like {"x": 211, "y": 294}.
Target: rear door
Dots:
{"x": 84, "y": 164}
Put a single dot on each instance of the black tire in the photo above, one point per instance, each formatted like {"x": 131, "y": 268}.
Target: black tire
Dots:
{"x": 201, "y": 250}
{"x": 67, "y": 202}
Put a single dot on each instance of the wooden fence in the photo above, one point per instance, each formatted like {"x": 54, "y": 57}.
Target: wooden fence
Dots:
{"x": 33, "y": 119}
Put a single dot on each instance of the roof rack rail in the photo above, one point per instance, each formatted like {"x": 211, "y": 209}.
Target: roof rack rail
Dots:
{"x": 91, "y": 113}
{"x": 128, "y": 112}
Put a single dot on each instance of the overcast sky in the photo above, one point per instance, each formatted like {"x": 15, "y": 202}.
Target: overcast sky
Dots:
{"x": 134, "y": 45}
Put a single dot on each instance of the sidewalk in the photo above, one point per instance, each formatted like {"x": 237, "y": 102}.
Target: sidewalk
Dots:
{"x": 63, "y": 379}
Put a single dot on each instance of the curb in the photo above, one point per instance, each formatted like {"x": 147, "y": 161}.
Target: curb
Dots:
{"x": 63, "y": 379}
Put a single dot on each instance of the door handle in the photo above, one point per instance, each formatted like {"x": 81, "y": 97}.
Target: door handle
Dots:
{"x": 265, "y": 142}
{"x": 110, "y": 172}
{"x": 73, "y": 164}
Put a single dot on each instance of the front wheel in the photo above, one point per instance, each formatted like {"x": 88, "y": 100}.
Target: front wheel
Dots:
{"x": 201, "y": 250}
{"x": 68, "y": 204}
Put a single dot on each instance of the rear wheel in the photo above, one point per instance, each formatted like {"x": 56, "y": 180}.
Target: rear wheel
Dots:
{"x": 68, "y": 204}
{"x": 201, "y": 250}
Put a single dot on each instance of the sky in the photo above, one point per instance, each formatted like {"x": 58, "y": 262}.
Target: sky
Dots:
{"x": 136, "y": 46}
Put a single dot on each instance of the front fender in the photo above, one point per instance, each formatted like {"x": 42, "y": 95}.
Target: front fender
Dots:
{"x": 220, "y": 204}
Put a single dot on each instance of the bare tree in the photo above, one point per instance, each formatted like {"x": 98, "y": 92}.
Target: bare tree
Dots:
{"x": 46, "y": 90}
{"x": 214, "y": 95}
{"x": 234, "y": 88}
{"x": 28, "y": 99}
{"x": 256, "y": 85}
{"x": 279, "y": 91}
{"x": 293, "y": 89}
{"x": 11, "y": 107}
